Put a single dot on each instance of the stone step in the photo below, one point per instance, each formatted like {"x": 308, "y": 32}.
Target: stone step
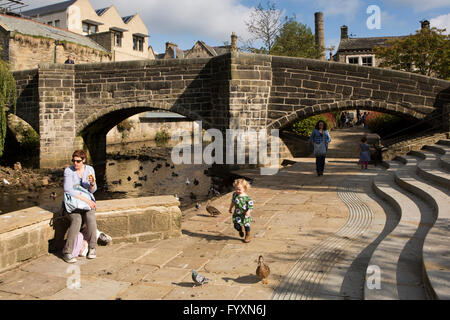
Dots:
{"x": 445, "y": 142}
{"x": 398, "y": 256}
{"x": 437, "y": 149}
{"x": 429, "y": 168}
{"x": 435, "y": 253}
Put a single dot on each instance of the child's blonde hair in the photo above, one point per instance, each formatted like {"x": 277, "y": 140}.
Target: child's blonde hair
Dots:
{"x": 244, "y": 183}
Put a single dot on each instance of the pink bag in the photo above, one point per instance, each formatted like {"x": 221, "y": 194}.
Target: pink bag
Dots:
{"x": 77, "y": 245}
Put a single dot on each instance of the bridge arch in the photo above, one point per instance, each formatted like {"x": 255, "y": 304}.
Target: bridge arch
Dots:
{"x": 380, "y": 106}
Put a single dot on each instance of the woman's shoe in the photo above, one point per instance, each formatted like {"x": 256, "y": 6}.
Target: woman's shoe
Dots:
{"x": 67, "y": 257}
{"x": 91, "y": 254}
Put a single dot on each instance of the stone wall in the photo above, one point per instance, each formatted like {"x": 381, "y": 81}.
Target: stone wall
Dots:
{"x": 27, "y": 52}
{"x": 27, "y": 234}
{"x": 27, "y": 85}
{"x": 145, "y": 129}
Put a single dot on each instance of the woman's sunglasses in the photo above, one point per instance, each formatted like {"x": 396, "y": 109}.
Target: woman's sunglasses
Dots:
{"x": 77, "y": 161}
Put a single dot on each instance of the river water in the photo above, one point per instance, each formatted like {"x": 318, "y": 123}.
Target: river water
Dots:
{"x": 138, "y": 169}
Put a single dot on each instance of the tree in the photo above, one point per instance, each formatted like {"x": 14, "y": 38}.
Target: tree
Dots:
{"x": 296, "y": 40}
{"x": 264, "y": 25}
{"x": 427, "y": 52}
{"x": 8, "y": 97}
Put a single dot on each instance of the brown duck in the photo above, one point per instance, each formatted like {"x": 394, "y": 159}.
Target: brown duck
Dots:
{"x": 263, "y": 270}
{"x": 212, "y": 210}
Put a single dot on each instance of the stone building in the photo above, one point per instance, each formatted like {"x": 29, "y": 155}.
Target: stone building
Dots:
{"x": 125, "y": 37}
{"x": 26, "y": 43}
{"x": 199, "y": 50}
{"x": 361, "y": 50}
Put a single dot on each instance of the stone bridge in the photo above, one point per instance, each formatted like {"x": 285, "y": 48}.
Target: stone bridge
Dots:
{"x": 74, "y": 106}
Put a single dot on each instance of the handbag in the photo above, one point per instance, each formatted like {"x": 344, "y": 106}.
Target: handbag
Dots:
{"x": 72, "y": 203}
{"x": 320, "y": 149}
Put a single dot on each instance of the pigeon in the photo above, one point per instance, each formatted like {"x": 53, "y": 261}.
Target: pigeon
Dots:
{"x": 212, "y": 210}
{"x": 167, "y": 164}
{"x": 129, "y": 178}
{"x": 197, "y": 206}
{"x": 136, "y": 184}
{"x": 192, "y": 196}
{"x": 141, "y": 167}
{"x": 174, "y": 174}
{"x": 198, "y": 278}
{"x": 172, "y": 166}
{"x": 176, "y": 197}
{"x": 53, "y": 195}
{"x": 196, "y": 182}
{"x": 6, "y": 181}
{"x": 187, "y": 181}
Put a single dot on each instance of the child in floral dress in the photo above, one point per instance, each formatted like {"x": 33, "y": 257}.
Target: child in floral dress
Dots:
{"x": 243, "y": 207}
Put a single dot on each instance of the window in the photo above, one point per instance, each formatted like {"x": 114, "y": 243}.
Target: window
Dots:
{"x": 138, "y": 43}
{"x": 118, "y": 38}
{"x": 57, "y": 23}
{"x": 353, "y": 60}
{"x": 89, "y": 28}
{"x": 367, "y": 61}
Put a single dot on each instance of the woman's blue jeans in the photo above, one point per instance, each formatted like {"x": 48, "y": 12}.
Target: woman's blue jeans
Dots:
{"x": 320, "y": 164}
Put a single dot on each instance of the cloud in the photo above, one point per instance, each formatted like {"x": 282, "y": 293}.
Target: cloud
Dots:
{"x": 215, "y": 19}
{"x": 348, "y": 8}
{"x": 421, "y": 5}
{"x": 441, "y": 22}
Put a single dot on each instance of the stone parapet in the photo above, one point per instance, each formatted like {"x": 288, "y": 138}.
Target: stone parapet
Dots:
{"x": 29, "y": 233}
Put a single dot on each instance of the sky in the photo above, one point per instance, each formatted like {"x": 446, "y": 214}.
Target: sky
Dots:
{"x": 185, "y": 21}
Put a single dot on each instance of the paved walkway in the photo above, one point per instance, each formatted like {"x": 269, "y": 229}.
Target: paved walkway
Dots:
{"x": 304, "y": 226}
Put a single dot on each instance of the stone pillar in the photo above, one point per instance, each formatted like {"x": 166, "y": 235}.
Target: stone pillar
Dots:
{"x": 320, "y": 34}
{"x": 56, "y": 114}
{"x": 234, "y": 42}
{"x": 425, "y": 24}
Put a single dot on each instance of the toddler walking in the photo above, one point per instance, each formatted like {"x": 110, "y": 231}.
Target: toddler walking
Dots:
{"x": 364, "y": 155}
{"x": 243, "y": 207}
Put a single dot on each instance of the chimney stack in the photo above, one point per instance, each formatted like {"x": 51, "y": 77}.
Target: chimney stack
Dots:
{"x": 234, "y": 42}
{"x": 425, "y": 24}
{"x": 171, "y": 51}
{"x": 320, "y": 34}
{"x": 344, "y": 32}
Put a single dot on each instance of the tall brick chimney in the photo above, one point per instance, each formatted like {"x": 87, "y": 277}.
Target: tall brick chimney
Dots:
{"x": 320, "y": 33}
{"x": 234, "y": 42}
{"x": 344, "y": 32}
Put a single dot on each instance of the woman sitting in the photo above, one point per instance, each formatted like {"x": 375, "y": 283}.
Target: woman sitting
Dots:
{"x": 79, "y": 183}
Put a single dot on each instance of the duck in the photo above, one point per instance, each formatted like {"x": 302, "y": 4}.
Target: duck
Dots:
{"x": 263, "y": 270}
{"x": 212, "y": 210}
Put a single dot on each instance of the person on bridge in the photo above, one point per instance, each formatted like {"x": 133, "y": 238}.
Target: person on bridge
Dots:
{"x": 79, "y": 183}
{"x": 320, "y": 138}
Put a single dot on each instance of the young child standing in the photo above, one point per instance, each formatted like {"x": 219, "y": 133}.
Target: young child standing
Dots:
{"x": 364, "y": 154}
{"x": 243, "y": 207}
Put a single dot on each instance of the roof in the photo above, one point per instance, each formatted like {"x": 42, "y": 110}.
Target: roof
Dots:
{"x": 101, "y": 11}
{"x": 33, "y": 28}
{"x": 127, "y": 18}
{"x": 222, "y": 49}
{"x": 355, "y": 44}
{"x": 57, "y": 7}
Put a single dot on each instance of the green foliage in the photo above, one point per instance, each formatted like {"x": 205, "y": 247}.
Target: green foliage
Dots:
{"x": 427, "y": 53}
{"x": 296, "y": 40}
{"x": 8, "y": 98}
{"x": 384, "y": 124}
{"x": 162, "y": 135}
{"x": 125, "y": 125}
{"x": 306, "y": 126}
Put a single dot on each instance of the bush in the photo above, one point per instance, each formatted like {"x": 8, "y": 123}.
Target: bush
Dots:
{"x": 162, "y": 136}
{"x": 125, "y": 125}
{"x": 305, "y": 127}
{"x": 384, "y": 124}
